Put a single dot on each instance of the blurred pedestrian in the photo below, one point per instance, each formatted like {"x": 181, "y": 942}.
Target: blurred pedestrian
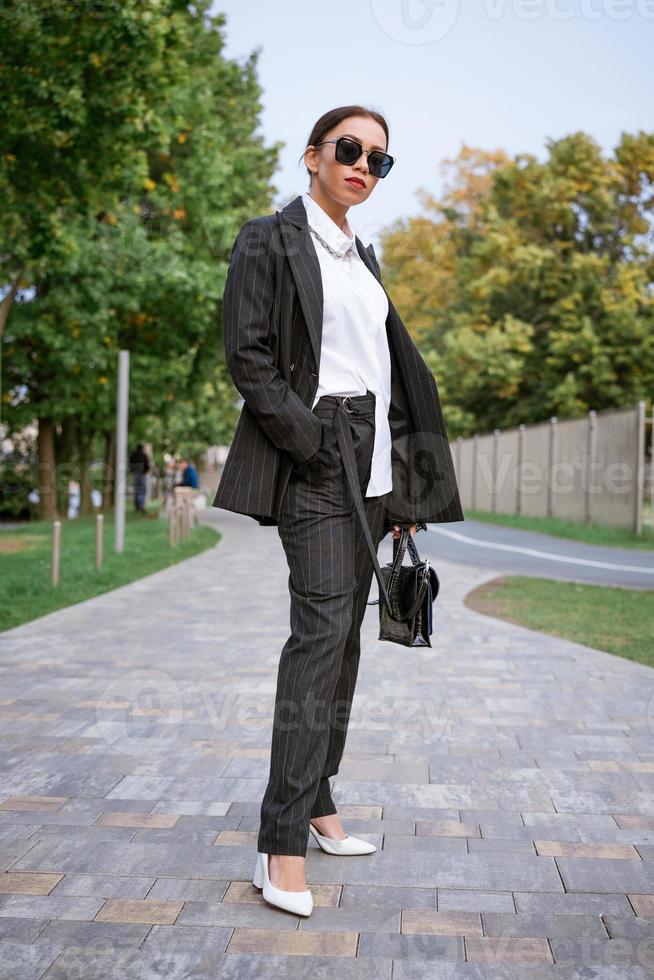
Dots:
{"x": 139, "y": 465}
{"x": 189, "y": 474}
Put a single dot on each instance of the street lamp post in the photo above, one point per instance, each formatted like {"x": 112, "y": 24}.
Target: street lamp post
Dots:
{"x": 122, "y": 403}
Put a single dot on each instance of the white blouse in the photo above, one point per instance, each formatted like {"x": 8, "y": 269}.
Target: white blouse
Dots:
{"x": 354, "y": 353}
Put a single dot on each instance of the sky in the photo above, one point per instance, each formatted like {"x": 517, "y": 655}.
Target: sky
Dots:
{"x": 491, "y": 74}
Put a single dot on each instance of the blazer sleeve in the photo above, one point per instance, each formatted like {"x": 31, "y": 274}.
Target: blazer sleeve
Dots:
{"x": 247, "y": 311}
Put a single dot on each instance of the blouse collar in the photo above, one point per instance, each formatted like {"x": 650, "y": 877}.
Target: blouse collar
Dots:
{"x": 327, "y": 227}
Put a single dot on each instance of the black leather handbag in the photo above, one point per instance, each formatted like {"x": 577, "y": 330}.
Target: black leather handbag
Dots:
{"x": 412, "y": 590}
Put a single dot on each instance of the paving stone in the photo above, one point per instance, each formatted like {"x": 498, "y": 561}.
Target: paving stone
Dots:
{"x": 206, "y": 837}
{"x": 631, "y": 821}
{"x": 98, "y": 807}
{"x": 596, "y": 875}
{"x": 160, "y": 821}
{"x": 33, "y": 803}
{"x": 190, "y": 890}
{"x": 27, "y": 883}
{"x": 623, "y": 953}
{"x": 104, "y": 886}
{"x": 400, "y": 843}
{"x": 17, "y": 831}
{"x": 489, "y": 949}
{"x": 20, "y": 930}
{"x": 481, "y": 846}
{"x": 191, "y": 808}
{"x": 51, "y": 907}
{"x": 389, "y": 897}
{"x": 18, "y": 962}
{"x": 12, "y": 851}
{"x": 643, "y": 905}
{"x": 446, "y": 828}
{"x": 400, "y": 946}
{"x": 241, "y": 838}
{"x": 96, "y": 935}
{"x": 571, "y": 903}
{"x": 553, "y": 848}
{"x": 629, "y": 927}
{"x": 236, "y": 915}
{"x": 174, "y": 939}
{"x": 87, "y": 835}
{"x": 139, "y": 910}
{"x": 294, "y": 943}
{"x": 440, "y": 923}
{"x": 352, "y": 920}
{"x": 545, "y": 925}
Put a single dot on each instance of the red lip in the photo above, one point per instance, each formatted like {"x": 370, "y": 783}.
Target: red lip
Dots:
{"x": 355, "y": 182}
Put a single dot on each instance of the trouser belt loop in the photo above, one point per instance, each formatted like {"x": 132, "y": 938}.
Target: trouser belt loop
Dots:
{"x": 346, "y": 446}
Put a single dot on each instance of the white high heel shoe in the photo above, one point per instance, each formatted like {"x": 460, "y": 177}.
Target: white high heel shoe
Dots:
{"x": 299, "y": 902}
{"x": 348, "y": 846}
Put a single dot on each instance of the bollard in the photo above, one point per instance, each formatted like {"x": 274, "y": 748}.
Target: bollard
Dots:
{"x": 99, "y": 525}
{"x": 56, "y": 550}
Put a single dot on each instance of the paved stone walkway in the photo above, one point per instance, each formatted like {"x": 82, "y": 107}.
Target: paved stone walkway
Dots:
{"x": 507, "y": 779}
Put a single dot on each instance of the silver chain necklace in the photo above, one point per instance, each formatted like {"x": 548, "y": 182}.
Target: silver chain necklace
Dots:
{"x": 332, "y": 251}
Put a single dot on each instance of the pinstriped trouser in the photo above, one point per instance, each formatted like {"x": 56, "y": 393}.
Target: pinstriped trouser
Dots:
{"x": 329, "y": 584}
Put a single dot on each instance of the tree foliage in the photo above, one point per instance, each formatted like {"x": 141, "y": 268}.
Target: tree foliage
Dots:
{"x": 529, "y": 283}
{"x": 129, "y": 162}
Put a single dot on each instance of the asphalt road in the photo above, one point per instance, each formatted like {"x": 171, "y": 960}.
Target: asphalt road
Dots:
{"x": 514, "y": 551}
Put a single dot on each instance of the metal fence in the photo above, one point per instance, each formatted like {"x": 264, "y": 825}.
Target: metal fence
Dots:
{"x": 591, "y": 469}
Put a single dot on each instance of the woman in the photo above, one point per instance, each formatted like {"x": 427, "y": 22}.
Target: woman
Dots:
{"x": 340, "y": 440}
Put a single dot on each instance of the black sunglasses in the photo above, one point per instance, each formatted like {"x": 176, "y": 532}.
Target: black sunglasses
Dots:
{"x": 348, "y": 151}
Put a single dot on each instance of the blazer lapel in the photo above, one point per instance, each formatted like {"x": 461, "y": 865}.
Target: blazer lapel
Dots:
{"x": 368, "y": 256}
{"x": 305, "y": 266}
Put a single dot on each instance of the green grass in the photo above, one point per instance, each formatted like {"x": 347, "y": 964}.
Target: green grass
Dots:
{"x": 619, "y": 621}
{"x": 588, "y": 533}
{"x": 26, "y": 590}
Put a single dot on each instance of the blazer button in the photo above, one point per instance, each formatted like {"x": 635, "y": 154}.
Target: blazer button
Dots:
{"x": 292, "y": 365}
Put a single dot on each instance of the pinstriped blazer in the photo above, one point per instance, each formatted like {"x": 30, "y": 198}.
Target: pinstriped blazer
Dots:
{"x": 272, "y": 326}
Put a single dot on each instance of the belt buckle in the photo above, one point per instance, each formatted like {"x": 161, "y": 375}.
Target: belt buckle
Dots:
{"x": 346, "y": 398}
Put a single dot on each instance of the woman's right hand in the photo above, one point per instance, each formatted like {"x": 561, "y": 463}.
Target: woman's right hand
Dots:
{"x": 397, "y": 531}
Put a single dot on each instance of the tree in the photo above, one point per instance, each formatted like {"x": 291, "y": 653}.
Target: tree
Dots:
{"x": 533, "y": 283}
{"x": 138, "y": 257}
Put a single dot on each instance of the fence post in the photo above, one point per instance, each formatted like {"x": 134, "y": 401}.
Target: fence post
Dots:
{"x": 56, "y": 551}
{"x": 496, "y": 439}
{"x": 640, "y": 467}
{"x": 521, "y": 443}
{"x": 171, "y": 525}
{"x": 590, "y": 456}
{"x": 651, "y": 470}
{"x": 473, "y": 489}
{"x": 99, "y": 524}
{"x": 550, "y": 466}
